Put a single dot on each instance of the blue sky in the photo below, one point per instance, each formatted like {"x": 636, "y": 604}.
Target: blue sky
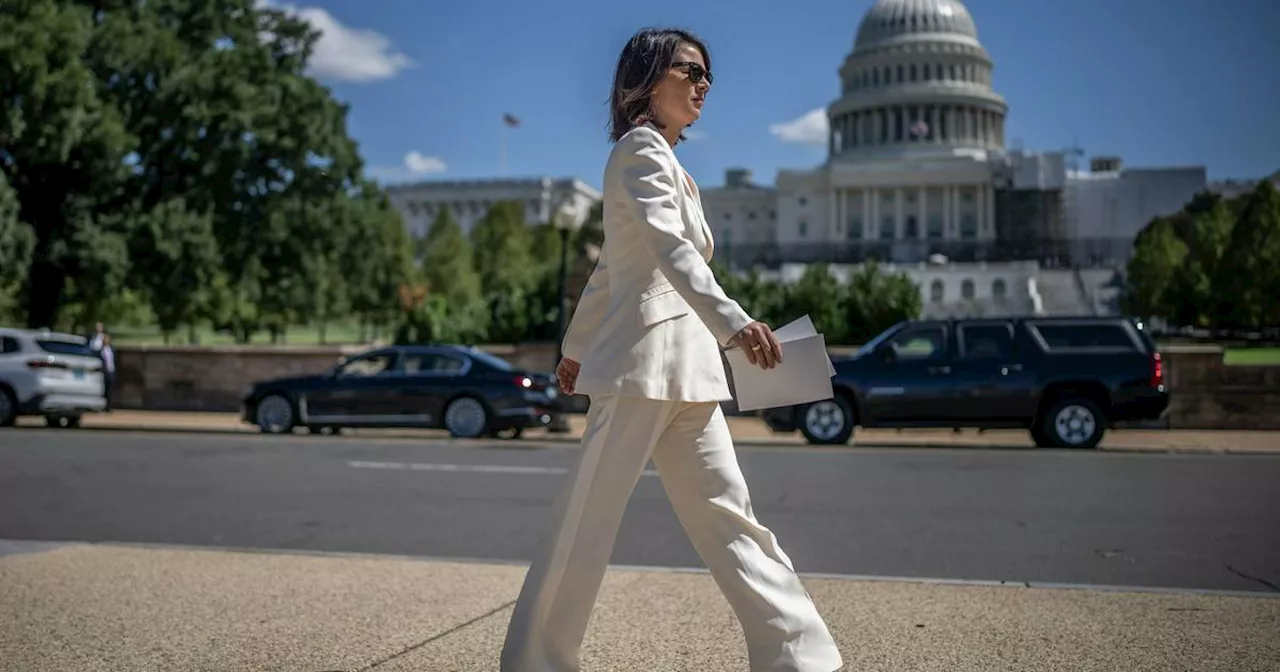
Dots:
{"x": 1158, "y": 82}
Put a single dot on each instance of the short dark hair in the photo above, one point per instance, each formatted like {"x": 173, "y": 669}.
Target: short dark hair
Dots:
{"x": 644, "y": 61}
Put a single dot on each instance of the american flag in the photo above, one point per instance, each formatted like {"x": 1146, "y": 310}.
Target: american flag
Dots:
{"x": 919, "y": 129}
{"x": 510, "y": 120}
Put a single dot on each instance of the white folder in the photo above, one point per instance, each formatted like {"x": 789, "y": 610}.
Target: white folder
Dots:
{"x": 803, "y": 376}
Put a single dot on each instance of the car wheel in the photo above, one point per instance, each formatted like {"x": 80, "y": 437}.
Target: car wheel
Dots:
{"x": 8, "y": 408}
{"x": 466, "y": 418}
{"x": 62, "y": 421}
{"x": 274, "y": 415}
{"x": 827, "y": 422}
{"x": 1074, "y": 422}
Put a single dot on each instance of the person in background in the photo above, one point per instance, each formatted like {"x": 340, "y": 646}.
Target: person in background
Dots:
{"x": 97, "y": 337}
{"x": 108, "y": 355}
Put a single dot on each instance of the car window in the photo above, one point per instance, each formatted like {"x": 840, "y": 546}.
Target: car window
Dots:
{"x": 1081, "y": 336}
{"x": 492, "y": 360}
{"x": 432, "y": 363}
{"x": 9, "y": 344}
{"x": 987, "y": 341}
{"x": 919, "y": 344}
{"x": 66, "y": 347}
{"x": 364, "y": 367}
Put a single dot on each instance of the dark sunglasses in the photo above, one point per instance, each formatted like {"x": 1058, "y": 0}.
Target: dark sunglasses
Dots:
{"x": 695, "y": 71}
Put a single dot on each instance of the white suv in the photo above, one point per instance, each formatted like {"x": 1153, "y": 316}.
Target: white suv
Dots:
{"x": 51, "y": 374}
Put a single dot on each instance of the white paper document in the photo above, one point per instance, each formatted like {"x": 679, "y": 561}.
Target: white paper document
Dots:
{"x": 803, "y": 376}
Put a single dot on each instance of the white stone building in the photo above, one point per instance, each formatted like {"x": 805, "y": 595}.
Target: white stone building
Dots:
{"x": 469, "y": 200}
{"x": 917, "y": 165}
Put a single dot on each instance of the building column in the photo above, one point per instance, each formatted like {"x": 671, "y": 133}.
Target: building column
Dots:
{"x": 867, "y": 217}
{"x": 841, "y": 206}
{"x": 898, "y": 233}
{"x": 873, "y": 194}
{"x": 935, "y": 123}
{"x": 955, "y": 212}
{"x": 922, "y": 214}
{"x": 991, "y": 212}
{"x": 831, "y": 211}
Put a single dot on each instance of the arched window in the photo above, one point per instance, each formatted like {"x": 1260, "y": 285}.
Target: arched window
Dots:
{"x": 936, "y": 291}
{"x": 966, "y": 289}
{"x": 999, "y": 291}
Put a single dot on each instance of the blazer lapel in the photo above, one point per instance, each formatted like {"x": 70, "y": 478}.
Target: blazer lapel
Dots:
{"x": 689, "y": 189}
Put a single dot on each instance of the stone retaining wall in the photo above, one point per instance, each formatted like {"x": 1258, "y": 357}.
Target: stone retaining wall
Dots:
{"x": 1206, "y": 393}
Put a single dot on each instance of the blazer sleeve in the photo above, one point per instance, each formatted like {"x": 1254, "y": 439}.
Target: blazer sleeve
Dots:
{"x": 649, "y": 178}
{"x": 590, "y": 312}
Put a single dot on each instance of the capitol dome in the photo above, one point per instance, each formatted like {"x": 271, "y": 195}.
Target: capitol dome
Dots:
{"x": 895, "y": 20}
{"x": 918, "y": 82}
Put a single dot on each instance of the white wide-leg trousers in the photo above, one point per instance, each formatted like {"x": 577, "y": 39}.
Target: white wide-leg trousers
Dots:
{"x": 691, "y": 447}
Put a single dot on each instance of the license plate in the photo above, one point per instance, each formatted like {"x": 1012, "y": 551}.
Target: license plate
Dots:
{"x": 79, "y": 374}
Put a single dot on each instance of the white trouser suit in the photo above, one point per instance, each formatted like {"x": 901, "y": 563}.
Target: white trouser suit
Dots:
{"x": 647, "y": 332}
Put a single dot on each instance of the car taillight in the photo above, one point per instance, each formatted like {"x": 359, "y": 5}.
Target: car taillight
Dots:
{"x": 527, "y": 383}
{"x": 1157, "y": 370}
{"x": 45, "y": 364}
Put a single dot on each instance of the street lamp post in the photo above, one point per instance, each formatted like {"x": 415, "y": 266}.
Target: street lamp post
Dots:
{"x": 566, "y": 221}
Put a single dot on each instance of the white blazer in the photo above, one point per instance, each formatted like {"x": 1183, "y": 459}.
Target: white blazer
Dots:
{"x": 652, "y": 319}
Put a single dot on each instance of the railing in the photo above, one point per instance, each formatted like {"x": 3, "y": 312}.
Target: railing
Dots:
{"x": 1050, "y": 253}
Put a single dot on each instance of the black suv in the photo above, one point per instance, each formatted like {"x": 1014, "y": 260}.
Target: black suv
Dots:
{"x": 1065, "y": 379}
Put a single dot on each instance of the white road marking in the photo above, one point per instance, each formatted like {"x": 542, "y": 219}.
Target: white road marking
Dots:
{"x": 468, "y": 468}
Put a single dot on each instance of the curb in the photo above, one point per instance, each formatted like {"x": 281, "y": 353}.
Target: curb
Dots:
{"x": 779, "y": 442}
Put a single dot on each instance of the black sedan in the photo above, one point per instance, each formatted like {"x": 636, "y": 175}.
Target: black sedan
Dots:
{"x": 464, "y": 390}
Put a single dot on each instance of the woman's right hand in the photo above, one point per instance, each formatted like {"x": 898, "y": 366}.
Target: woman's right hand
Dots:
{"x": 760, "y": 344}
{"x": 567, "y": 374}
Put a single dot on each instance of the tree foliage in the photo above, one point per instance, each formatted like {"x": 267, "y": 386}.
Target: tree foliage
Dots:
{"x": 1212, "y": 264}
{"x": 177, "y": 150}
{"x": 866, "y": 303}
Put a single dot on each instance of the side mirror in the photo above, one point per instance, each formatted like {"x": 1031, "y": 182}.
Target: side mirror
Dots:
{"x": 888, "y": 355}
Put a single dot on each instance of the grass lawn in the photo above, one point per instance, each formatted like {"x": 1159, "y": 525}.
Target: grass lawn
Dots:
{"x": 1252, "y": 356}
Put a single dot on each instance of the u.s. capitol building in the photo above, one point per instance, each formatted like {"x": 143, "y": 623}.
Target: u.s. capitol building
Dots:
{"x": 918, "y": 169}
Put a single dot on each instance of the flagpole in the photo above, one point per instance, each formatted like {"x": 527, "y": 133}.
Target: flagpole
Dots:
{"x": 502, "y": 169}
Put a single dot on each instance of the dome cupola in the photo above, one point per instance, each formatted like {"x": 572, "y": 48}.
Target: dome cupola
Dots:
{"x": 918, "y": 82}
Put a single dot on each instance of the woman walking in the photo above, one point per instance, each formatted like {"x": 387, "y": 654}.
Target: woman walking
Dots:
{"x": 644, "y": 344}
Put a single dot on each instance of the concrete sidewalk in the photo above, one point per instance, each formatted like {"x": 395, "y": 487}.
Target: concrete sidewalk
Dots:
{"x": 68, "y": 608}
{"x": 753, "y": 431}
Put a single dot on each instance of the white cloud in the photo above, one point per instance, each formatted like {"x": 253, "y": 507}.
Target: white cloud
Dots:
{"x": 344, "y": 53}
{"x": 809, "y": 129}
{"x": 692, "y": 134}
{"x": 415, "y": 162}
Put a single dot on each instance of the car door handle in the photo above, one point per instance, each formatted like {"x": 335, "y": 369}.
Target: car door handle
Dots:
{"x": 941, "y": 370}
{"x": 1010, "y": 367}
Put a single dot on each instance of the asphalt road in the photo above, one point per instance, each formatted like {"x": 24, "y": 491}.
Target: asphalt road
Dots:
{"x": 1155, "y": 520}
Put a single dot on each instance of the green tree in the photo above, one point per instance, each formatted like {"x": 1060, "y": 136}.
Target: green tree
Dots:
{"x": 507, "y": 268}
{"x": 377, "y": 259}
{"x": 62, "y": 149}
{"x": 1158, "y": 255}
{"x": 447, "y": 266}
{"x": 180, "y": 254}
{"x": 875, "y": 300}
{"x": 16, "y": 241}
{"x": 1247, "y": 289}
{"x": 821, "y": 296}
